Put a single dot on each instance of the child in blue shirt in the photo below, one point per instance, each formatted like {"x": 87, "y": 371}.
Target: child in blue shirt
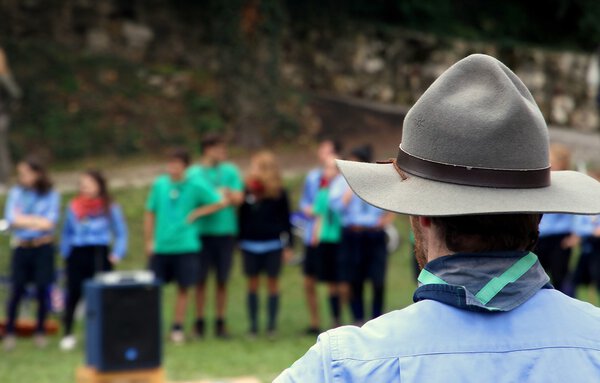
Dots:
{"x": 92, "y": 223}
{"x": 32, "y": 211}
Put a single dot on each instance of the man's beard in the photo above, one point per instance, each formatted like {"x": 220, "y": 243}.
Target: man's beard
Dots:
{"x": 420, "y": 255}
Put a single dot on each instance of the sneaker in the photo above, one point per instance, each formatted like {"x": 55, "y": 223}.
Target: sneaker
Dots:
{"x": 221, "y": 329}
{"x": 272, "y": 335}
{"x": 177, "y": 337}
{"x": 9, "y": 342}
{"x": 314, "y": 331}
{"x": 40, "y": 340}
{"x": 68, "y": 343}
{"x": 252, "y": 335}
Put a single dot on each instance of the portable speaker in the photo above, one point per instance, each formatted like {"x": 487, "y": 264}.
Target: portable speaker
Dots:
{"x": 123, "y": 324}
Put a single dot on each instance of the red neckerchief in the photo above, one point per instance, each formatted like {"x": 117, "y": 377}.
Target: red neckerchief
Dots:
{"x": 324, "y": 182}
{"x": 84, "y": 207}
{"x": 255, "y": 187}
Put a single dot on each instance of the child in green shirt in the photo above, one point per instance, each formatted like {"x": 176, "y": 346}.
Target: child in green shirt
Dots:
{"x": 174, "y": 204}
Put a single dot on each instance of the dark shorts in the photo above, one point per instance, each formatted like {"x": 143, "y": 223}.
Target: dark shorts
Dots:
{"x": 217, "y": 254}
{"x": 33, "y": 265}
{"x": 372, "y": 264}
{"x": 180, "y": 268}
{"x": 349, "y": 254}
{"x": 363, "y": 256}
{"x": 328, "y": 254}
{"x": 310, "y": 267}
{"x": 265, "y": 263}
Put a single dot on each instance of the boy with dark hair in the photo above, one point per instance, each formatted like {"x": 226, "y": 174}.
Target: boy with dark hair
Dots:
{"x": 219, "y": 230}
{"x": 175, "y": 202}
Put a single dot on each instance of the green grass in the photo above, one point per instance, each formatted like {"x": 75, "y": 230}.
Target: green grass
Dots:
{"x": 210, "y": 358}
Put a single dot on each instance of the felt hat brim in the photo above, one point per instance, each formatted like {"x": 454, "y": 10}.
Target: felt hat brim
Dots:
{"x": 382, "y": 186}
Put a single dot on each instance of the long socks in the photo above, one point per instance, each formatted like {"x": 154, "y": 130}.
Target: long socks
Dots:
{"x": 253, "y": 312}
{"x": 273, "y": 309}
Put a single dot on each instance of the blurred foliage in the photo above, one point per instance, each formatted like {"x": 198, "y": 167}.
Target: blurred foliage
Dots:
{"x": 551, "y": 23}
{"x": 80, "y": 104}
{"x": 77, "y": 105}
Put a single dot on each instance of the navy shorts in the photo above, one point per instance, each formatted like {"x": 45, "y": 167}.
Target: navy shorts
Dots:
{"x": 311, "y": 261}
{"x": 363, "y": 256}
{"x": 217, "y": 254}
{"x": 268, "y": 263}
{"x": 328, "y": 263}
{"x": 33, "y": 265}
{"x": 349, "y": 254}
{"x": 179, "y": 268}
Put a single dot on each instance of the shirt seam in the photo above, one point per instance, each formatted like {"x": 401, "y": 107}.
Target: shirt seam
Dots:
{"x": 465, "y": 352}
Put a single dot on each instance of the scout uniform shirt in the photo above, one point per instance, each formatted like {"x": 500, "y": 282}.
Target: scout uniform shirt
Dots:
{"x": 222, "y": 175}
{"x": 172, "y": 202}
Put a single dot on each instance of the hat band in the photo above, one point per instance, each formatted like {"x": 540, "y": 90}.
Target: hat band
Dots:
{"x": 471, "y": 176}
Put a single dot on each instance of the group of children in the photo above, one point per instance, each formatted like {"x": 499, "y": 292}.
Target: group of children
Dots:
{"x": 93, "y": 239}
{"x": 196, "y": 215}
{"x": 345, "y": 241}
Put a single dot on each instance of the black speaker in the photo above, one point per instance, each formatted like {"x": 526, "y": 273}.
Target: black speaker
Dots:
{"x": 123, "y": 325}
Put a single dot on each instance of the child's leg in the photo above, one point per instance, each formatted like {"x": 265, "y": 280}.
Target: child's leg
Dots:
{"x": 253, "y": 283}
{"x": 273, "y": 287}
{"x": 180, "y": 306}
{"x": 17, "y": 292}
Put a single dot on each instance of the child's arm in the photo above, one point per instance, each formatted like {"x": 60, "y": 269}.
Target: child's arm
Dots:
{"x": 205, "y": 210}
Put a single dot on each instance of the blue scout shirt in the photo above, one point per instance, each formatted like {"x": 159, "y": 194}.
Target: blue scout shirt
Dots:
{"x": 357, "y": 212}
{"x": 586, "y": 225}
{"x": 28, "y": 202}
{"x": 546, "y": 337}
{"x": 97, "y": 230}
{"x": 555, "y": 224}
{"x": 307, "y": 199}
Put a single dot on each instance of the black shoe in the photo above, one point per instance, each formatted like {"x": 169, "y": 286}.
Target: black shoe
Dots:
{"x": 314, "y": 331}
{"x": 221, "y": 329}
{"x": 199, "y": 328}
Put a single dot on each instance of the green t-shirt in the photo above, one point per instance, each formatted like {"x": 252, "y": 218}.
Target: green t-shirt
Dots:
{"x": 171, "y": 202}
{"x": 331, "y": 222}
{"x": 223, "y": 175}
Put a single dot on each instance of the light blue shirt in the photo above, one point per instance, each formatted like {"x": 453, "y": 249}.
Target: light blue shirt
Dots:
{"x": 586, "y": 225}
{"x": 307, "y": 199}
{"x": 549, "y": 338}
{"x": 555, "y": 224}
{"x": 100, "y": 230}
{"x": 357, "y": 212}
{"x": 23, "y": 201}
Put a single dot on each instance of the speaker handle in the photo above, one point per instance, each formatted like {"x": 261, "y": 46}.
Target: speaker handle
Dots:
{"x": 118, "y": 277}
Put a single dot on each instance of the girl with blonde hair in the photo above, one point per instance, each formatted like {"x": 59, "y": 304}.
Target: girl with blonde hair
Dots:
{"x": 265, "y": 234}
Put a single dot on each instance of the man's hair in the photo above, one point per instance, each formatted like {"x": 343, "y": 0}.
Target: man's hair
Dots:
{"x": 180, "y": 154}
{"x": 494, "y": 232}
{"x": 210, "y": 140}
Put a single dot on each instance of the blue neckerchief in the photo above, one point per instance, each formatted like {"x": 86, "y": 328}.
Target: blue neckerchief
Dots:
{"x": 493, "y": 281}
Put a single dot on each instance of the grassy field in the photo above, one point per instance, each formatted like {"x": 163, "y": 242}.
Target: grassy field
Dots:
{"x": 210, "y": 358}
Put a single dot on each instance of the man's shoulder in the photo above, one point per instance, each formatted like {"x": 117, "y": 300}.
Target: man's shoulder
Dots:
{"x": 430, "y": 327}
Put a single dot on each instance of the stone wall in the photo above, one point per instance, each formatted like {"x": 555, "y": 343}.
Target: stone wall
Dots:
{"x": 397, "y": 66}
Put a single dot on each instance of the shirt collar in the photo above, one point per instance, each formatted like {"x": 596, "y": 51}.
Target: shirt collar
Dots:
{"x": 492, "y": 281}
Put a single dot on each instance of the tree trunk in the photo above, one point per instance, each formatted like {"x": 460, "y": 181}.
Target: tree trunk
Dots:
{"x": 5, "y": 162}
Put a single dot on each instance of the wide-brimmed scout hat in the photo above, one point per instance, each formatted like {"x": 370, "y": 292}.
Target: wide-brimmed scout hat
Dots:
{"x": 474, "y": 143}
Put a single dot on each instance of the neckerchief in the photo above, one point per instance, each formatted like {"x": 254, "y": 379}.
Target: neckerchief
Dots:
{"x": 493, "y": 281}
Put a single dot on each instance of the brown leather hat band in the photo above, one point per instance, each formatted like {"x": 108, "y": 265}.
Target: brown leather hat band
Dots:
{"x": 463, "y": 175}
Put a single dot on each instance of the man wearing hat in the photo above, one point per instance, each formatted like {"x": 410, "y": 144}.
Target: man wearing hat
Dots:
{"x": 473, "y": 173}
